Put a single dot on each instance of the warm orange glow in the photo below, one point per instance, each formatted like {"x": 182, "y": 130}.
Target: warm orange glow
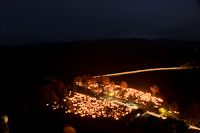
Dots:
{"x": 90, "y": 106}
{"x": 111, "y": 94}
{"x": 142, "y": 97}
{"x": 117, "y": 100}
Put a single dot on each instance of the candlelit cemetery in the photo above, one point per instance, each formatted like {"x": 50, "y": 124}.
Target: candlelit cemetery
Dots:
{"x": 87, "y": 106}
{"x": 108, "y": 101}
{"x": 122, "y": 93}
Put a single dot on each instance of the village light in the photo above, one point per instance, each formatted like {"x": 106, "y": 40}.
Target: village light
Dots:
{"x": 162, "y": 110}
{"x": 138, "y": 114}
{"x": 5, "y": 119}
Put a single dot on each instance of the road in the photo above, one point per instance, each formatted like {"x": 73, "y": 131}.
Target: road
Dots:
{"x": 144, "y": 70}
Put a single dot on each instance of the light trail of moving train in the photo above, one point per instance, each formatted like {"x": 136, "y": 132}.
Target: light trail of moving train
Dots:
{"x": 144, "y": 70}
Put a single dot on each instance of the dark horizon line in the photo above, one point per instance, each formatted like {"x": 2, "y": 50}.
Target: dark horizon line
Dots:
{"x": 34, "y": 42}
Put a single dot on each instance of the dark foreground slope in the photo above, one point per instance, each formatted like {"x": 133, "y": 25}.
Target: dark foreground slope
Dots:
{"x": 24, "y": 67}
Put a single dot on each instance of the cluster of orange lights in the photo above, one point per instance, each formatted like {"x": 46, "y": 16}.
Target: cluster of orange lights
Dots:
{"x": 90, "y": 106}
{"x": 87, "y": 106}
{"x": 142, "y": 97}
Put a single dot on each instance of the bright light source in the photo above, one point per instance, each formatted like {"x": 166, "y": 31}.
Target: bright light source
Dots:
{"x": 93, "y": 116}
{"x": 138, "y": 115}
{"x": 5, "y": 119}
{"x": 162, "y": 110}
{"x": 164, "y": 118}
{"x": 111, "y": 94}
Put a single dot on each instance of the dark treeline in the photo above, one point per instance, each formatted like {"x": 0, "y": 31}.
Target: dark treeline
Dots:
{"x": 130, "y": 54}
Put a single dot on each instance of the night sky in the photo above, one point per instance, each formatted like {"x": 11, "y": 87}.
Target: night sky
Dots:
{"x": 70, "y": 20}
